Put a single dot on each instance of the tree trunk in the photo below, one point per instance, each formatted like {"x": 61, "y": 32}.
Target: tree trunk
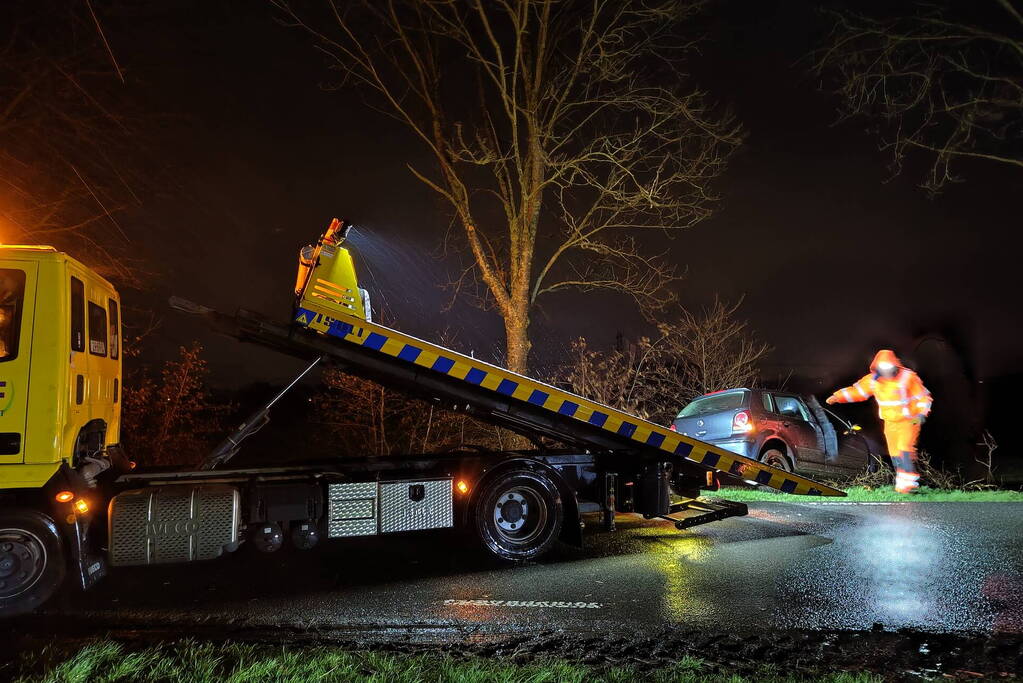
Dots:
{"x": 516, "y": 313}
{"x": 516, "y": 329}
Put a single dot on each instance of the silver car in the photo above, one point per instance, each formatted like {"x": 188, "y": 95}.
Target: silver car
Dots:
{"x": 792, "y": 432}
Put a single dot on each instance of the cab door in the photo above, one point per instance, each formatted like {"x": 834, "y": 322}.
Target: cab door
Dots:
{"x": 17, "y": 317}
{"x": 78, "y": 410}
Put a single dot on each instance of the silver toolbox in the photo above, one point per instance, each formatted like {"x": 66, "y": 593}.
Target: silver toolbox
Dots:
{"x": 178, "y": 523}
{"x": 363, "y": 509}
{"x": 415, "y": 505}
{"x": 352, "y": 509}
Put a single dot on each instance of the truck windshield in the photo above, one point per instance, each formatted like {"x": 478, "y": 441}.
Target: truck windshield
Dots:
{"x": 715, "y": 403}
{"x": 12, "y": 296}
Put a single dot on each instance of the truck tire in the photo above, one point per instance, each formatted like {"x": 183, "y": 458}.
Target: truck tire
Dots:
{"x": 519, "y": 515}
{"x": 31, "y": 560}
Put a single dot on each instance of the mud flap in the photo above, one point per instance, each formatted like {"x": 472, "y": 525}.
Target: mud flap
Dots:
{"x": 88, "y": 567}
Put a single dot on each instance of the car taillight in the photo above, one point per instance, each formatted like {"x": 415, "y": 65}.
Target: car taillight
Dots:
{"x": 742, "y": 423}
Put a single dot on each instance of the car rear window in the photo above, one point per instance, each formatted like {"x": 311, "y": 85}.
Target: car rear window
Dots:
{"x": 715, "y": 403}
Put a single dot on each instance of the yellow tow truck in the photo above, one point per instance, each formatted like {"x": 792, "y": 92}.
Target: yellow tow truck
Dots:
{"x": 60, "y": 385}
{"x": 72, "y": 504}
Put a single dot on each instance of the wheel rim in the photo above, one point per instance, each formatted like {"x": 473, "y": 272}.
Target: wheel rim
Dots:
{"x": 22, "y": 560}
{"x": 777, "y": 461}
{"x": 519, "y": 515}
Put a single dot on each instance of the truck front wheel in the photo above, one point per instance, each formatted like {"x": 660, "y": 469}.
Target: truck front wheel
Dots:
{"x": 519, "y": 515}
{"x": 31, "y": 560}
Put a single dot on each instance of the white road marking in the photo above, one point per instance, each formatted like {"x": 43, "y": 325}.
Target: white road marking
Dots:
{"x": 815, "y": 503}
{"x": 523, "y": 603}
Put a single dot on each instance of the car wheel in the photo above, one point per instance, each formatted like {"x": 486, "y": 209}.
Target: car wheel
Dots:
{"x": 776, "y": 458}
{"x": 519, "y": 515}
{"x": 31, "y": 561}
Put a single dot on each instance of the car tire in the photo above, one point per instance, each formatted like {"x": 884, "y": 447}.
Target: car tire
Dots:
{"x": 519, "y": 515}
{"x": 32, "y": 563}
{"x": 775, "y": 458}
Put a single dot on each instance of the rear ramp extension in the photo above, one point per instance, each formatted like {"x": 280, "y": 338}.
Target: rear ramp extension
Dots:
{"x": 332, "y": 319}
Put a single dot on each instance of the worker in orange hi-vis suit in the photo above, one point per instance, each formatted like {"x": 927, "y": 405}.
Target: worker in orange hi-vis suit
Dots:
{"x": 903, "y": 403}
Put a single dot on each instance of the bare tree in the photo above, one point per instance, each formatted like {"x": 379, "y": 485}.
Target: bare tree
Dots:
{"x": 987, "y": 458}
{"x": 653, "y": 377}
{"x": 562, "y": 134}
{"x": 707, "y": 351}
{"x": 945, "y": 80}
{"x": 362, "y": 417}
{"x": 172, "y": 419}
{"x": 70, "y": 161}
{"x": 616, "y": 377}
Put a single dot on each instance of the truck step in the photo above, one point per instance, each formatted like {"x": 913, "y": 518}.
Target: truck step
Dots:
{"x": 709, "y": 511}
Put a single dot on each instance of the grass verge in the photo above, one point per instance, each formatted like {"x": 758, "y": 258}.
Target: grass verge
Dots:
{"x": 196, "y": 662}
{"x": 857, "y": 494}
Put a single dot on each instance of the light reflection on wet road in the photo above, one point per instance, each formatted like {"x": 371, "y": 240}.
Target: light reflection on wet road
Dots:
{"x": 936, "y": 566}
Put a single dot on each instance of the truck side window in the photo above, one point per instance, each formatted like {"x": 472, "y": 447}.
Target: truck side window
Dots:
{"x": 97, "y": 330}
{"x": 77, "y": 315}
{"x": 12, "y": 296}
{"x": 115, "y": 329}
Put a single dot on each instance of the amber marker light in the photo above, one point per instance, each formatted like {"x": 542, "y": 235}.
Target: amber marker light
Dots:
{"x": 81, "y": 506}
{"x": 64, "y": 497}
{"x": 462, "y": 486}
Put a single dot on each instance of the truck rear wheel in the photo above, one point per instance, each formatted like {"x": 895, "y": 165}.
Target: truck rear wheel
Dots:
{"x": 31, "y": 560}
{"x": 519, "y": 515}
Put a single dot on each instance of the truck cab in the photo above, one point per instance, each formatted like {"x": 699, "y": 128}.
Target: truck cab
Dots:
{"x": 60, "y": 407}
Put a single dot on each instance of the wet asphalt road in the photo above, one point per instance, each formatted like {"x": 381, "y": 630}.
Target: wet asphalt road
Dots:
{"x": 947, "y": 567}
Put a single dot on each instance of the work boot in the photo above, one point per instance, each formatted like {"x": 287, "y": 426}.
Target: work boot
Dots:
{"x": 906, "y": 482}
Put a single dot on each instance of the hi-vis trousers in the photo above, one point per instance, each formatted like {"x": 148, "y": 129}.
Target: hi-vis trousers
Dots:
{"x": 901, "y": 436}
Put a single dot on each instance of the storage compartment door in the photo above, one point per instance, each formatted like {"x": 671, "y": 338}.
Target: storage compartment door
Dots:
{"x": 416, "y": 505}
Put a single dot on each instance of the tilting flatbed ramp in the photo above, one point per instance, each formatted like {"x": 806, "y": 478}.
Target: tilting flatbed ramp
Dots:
{"x": 489, "y": 392}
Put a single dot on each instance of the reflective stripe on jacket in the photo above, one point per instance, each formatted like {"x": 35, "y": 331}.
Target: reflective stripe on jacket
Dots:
{"x": 903, "y": 397}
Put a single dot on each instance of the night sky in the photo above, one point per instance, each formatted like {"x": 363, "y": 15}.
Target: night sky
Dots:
{"x": 833, "y": 261}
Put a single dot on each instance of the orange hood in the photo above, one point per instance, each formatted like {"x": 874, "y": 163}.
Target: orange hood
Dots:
{"x": 884, "y": 356}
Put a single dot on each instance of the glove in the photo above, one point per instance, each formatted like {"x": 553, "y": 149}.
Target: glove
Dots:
{"x": 830, "y": 400}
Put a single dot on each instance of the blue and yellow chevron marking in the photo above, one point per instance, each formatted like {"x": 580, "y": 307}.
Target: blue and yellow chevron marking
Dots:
{"x": 499, "y": 380}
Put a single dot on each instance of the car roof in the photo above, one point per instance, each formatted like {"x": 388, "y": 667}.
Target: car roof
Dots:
{"x": 724, "y": 391}
{"x": 756, "y": 391}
